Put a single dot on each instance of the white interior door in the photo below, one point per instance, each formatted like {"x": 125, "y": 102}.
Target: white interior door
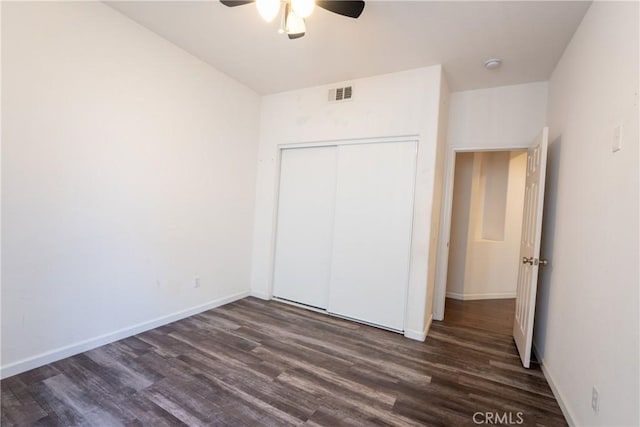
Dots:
{"x": 372, "y": 232}
{"x": 306, "y": 204}
{"x": 530, "y": 246}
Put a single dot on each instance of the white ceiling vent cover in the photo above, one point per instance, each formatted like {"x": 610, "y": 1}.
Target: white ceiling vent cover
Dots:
{"x": 340, "y": 94}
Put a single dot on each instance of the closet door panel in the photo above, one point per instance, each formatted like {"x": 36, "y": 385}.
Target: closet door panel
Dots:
{"x": 306, "y": 203}
{"x": 372, "y": 232}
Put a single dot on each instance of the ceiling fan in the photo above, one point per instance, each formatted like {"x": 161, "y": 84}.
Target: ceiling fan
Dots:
{"x": 295, "y": 11}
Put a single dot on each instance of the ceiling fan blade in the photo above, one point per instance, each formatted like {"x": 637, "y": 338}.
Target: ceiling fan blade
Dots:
{"x": 295, "y": 36}
{"x": 350, "y": 8}
{"x": 233, "y": 3}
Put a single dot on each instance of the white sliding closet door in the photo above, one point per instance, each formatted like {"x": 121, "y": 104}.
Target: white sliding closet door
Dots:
{"x": 372, "y": 232}
{"x": 306, "y": 204}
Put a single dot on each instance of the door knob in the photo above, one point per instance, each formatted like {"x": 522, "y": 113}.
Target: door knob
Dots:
{"x": 526, "y": 260}
{"x": 543, "y": 262}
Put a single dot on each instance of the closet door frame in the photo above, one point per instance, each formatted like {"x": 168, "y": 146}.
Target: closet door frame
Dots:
{"x": 274, "y": 225}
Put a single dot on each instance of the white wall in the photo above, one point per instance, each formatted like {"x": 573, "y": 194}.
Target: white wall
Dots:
{"x": 586, "y": 327}
{"x": 480, "y": 268}
{"x": 404, "y": 103}
{"x": 503, "y": 117}
{"x": 438, "y": 198}
{"x": 499, "y": 117}
{"x": 128, "y": 168}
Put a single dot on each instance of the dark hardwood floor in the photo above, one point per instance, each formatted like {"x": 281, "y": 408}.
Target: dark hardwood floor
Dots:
{"x": 494, "y": 315}
{"x": 265, "y": 363}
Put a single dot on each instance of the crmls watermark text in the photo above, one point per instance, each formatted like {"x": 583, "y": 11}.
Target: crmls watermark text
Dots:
{"x": 498, "y": 418}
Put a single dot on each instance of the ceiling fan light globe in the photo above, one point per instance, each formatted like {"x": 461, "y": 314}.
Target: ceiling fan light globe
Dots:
{"x": 303, "y": 8}
{"x": 268, "y": 9}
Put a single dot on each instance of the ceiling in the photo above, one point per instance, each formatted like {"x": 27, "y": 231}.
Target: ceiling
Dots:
{"x": 389, "y": 36}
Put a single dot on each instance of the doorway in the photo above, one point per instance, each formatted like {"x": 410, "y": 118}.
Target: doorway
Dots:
{"x": 486, "y": 225}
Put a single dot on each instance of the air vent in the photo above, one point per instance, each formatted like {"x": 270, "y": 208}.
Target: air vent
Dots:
{"x": 340, "y": 94}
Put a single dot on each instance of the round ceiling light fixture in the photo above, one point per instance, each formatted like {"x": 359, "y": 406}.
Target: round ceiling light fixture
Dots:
{"x": 493, "y": 63}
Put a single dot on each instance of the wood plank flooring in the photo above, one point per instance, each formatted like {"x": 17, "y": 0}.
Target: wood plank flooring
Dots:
{"x": 494, "y": 315}
{"x": 254, "y": 362}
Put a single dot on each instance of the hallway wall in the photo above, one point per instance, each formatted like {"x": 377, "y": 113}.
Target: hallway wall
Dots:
{"x": 486, "y": 222}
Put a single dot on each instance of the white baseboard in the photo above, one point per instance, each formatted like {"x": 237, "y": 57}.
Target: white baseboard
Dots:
{"x": 419, "y": 335}
{"x": 260, "y": 295}
{"x": 568, "y": 415}
{"x": 467, "y": 297}
{"x": 91, "y": 343}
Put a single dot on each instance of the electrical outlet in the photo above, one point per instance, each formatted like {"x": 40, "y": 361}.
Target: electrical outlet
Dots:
{"x": 196, "y": 282}
{"x": 595, "y": 399}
